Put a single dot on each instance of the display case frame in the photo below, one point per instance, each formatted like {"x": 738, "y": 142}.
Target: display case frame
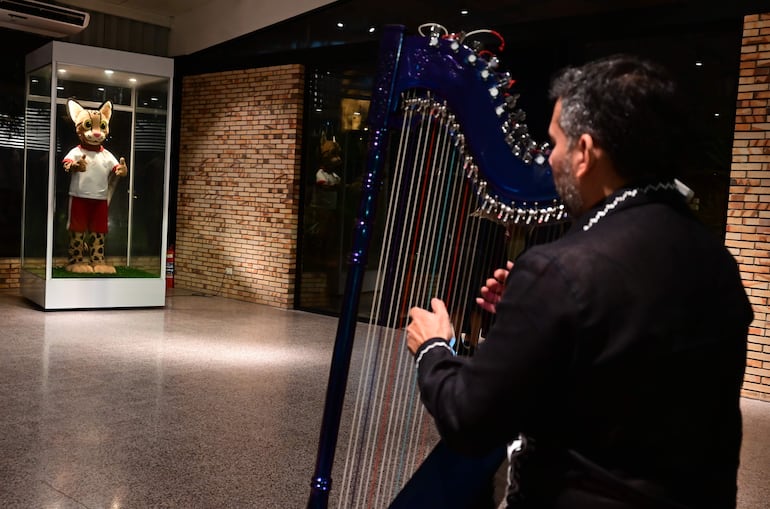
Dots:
{"x": 141, "y": 203}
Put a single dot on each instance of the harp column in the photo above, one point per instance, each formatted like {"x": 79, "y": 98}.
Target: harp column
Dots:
{"x": 382, "y": 103}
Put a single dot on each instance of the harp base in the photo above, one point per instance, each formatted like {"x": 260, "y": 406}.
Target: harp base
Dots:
{"x": 449, "y": 480}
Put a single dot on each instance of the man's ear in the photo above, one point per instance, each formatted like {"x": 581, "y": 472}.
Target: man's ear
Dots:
{"x": 585, "y": 154}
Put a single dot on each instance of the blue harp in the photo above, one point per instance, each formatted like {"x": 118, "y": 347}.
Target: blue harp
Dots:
{"x": 464, "y": 186}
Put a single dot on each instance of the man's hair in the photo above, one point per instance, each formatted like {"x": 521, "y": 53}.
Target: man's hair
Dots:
{"x": 630, "y": 108}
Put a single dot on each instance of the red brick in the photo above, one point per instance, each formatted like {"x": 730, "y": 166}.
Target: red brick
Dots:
{"x": 239, "y": 183}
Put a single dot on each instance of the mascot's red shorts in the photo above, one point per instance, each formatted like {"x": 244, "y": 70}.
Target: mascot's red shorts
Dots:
{"x": 87, "y": 214}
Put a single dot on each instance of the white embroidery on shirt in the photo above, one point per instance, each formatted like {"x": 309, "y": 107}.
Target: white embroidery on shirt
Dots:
{"x": 430, "y": 347}
{"x": 623, "y": 197}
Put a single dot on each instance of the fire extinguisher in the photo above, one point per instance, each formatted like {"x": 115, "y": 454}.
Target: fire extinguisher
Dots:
{"x": 170, "y": 267}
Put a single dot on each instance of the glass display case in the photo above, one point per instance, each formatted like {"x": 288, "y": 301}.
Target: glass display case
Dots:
{"x": 71, "y": 259}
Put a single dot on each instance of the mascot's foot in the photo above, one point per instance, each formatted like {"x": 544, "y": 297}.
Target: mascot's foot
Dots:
{"x": 104, "y": 269}
{"x": 79, "y": 268}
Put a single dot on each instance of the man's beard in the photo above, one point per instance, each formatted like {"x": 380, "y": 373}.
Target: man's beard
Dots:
{"x": 567, "y": 187}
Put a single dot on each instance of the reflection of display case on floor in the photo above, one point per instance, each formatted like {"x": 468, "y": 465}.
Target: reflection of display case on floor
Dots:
{"x": 139, "y": 87}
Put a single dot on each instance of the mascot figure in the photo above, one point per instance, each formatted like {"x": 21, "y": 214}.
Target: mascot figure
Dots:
{"x": 91, "y": 168}
{"x": 327, "y": 180}
{"x": 324, "y": 202}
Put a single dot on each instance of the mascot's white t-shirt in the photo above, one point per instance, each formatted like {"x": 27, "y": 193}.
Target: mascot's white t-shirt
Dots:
{"x": 93, "y": 182}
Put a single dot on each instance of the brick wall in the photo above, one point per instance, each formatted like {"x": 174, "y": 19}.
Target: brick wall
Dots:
{"x": 239, "y": 164}
{"x": 748, "y": 214}
{"x": 9, "y": 273}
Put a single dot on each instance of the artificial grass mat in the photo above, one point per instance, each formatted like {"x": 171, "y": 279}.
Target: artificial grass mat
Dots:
{"x": 121, "y": 272}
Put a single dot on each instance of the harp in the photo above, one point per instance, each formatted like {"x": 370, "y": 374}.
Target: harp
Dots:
{"x": 466, "y": 182}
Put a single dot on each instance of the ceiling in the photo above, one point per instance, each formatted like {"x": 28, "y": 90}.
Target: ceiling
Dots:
{"x": 507, "y": 11}
{"x": 163, "y": 12}
{"x": 157, "y": 12}
{"x": 198, "y": 24}
{"x": 235, "y": 18}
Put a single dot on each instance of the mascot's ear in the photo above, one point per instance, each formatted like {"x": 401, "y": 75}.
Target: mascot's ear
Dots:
{"x": 106, "y": 110}
{"x": 75, "y": 109}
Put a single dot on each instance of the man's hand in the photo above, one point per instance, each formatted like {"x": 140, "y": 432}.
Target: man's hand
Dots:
{"x": 492, "y": 291}
{"x": 426, "y": 325}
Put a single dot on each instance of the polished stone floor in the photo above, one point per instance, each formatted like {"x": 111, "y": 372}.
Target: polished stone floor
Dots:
{"x": 206, "y": 403}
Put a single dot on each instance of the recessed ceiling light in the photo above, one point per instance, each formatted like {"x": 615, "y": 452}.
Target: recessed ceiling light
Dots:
{"x": 371, "y": 30}
{"x": 132, "y": 80}
{"x": 716, "y": 114}
{"x": 340, "y": 24}
{"x": 698, "y": 64}
{"x": 62, "y": 71}
{"x": 109, "y": 72}
{"x": 464, "y": 12}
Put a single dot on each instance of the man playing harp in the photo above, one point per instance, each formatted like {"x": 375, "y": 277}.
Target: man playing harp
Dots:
{"x": 618, "y": 351}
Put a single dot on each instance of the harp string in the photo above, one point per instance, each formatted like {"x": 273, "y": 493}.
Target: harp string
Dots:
{"x": 392, "y": 289}
{"x": 402, "y": 400}
{"x": 394, "y": 247}
{"x": 452, "y": 210}
{"x": 430, "y": 248}
{"x": 358, "y": 455}
{"x": 431, "y": 202}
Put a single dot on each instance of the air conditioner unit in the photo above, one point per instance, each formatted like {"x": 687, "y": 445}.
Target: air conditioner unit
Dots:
{"x": 42, "y": 18}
